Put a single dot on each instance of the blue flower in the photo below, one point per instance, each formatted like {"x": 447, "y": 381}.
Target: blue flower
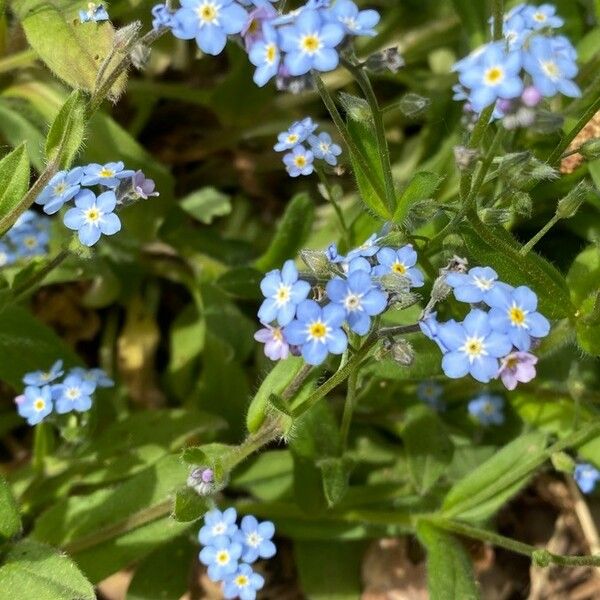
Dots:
{"x": 96, "y": 376}
{"x": 430, "y": 392}
{"x": 93, "y": 216}
{"x": 108, "y": 175}
{"x": 35, "y": 404}
{"x": 367, "y": 249}
{"x": 360, "y": 298}
{"x": 586, "y": 477}
{"x": 40, "y": 378}
{"x": 94, "y": 12}
{"x": 265, "y": 56}
{"x": 473, "y": 348}
{"x": 551, "y": 67}
{"x": 318, "y": 331}
{"x": 210, "y": 22}
{"x": 29, "y": 241}
{"x": 7, "y": 257}
{"x": 473, "y": 286}
{"x": 59, "y": 190}
{"x": 538, "y": 17}
{"x": 401, "y": 262}
{"x": 355, "y": 22}
{"x": 299, "y": 162}
{"x": 74, "y": 393}
{"x": 487, "y": 409}
{"x": 323, "y": 148}
{"x": 430, "y": 327}
{"x": 310, "y": 43}
{"x": 515, "y": 31}
{"x": 514, "y": 313}
{"x": 493, "y": 74}
{"x": 221, "y": 558}
{"x": 256, "y": 538}
{"x": 283, "y": 292}
{"x": 244, "y": 584}
{"x": 163, "y": 17}
{"x": 296, "y": 134}
{"x": 217, "y": 525}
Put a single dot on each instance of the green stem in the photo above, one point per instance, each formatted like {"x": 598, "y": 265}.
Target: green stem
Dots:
{"x": 497, "y": 19}
{"x": 539, "y": 235}
{"x": 384, "y": 152}
{"x": 343, "y": 130}
{"x": 348, "y": 408}
{"x": 40, "y": 446}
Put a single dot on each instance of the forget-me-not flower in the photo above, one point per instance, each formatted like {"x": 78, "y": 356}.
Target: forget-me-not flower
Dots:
{"x": 218, "y": 524}
{"x": 473, "y": 286}
{"x": 586, "y": 476}
{"x": 221, "y": 557}
{"x": 283, "y": 292}
{"x": 514, "y": 313}
{"x": 276, "y": 347}
{"x": 93, "y": 216}
{"x": 473, "y": 347}
{"x": 323, "y": 148}
{"x": 430, "y": 392}
{"x": 97, "y": 376}
{"x": 317, "y": 331}
{"x": 355, "y": 22}
{"x": 400, "y": 262}
{"x": 517, "y": 367}
{"x": 359, "y": 297}
{"x": 296, "y": 134}
{"x": 310, "y": 43}
{"x": 59, "y": 190}
{"x": 108, "y": 175}
{"x": 487, "y": 409}
{"x": 256, "y": 538}
{"x": 40, "y": 378}
{"x": 538, "y": 17}
{"x": 74, "y": 393}
{"x": 265, "y": 56}
{"x": 299, "y": 162}
{"x": 430, "y": 327}
{"x": 35, "y": 404}
{"x": 243, "y": 584}
{"x": 162, "y": 16}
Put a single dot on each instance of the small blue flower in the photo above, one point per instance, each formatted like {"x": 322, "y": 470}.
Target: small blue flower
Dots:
{"x": 538, "y": 17}
{"x": 551, "y": 67}
{"x": 299, "y": 162}
{"x": 209, "y": 22}
{"x": 93, "y": 216}
{"x": 430, "y": 327}
{"x": 487, "y": 409}
{"x": 108, "y": 175}
{"x": 283, "y": 292}
{"x": 256, "y": 538}
{"x": 218, "y": 524}
{"x": 310, "y": 43}
{"x": 75, "y": 393}
{"x": 401, "y": 262}
{"x": 323, "y": 148}
{"x": 296, "y": 134}
{"x": 221, "y": 558}
{"x": 40, "y": 378}
{"x": 265, "y": 56}
{"x": 515, "y": 31}
{"x": 243, "y": 584}
{"x": 353, "y": 21}
{"x": 94, "y": 12}
{"x": 318, "y": 331}
{"x": 367, "y": 249}
{"x": 492, "y": 75}
{"x": 29, "y": 241}
{"x": 162, "y": 16}
{"x": 360, "y": 298}
{"x": 431, "y": 392}
{"x": 586, "y": 476}
{"x": 473, "y": 348}
{"x": 60, "y": 189}
{"x": 35, "y": 404}
{"x": 96, "y": 376}
{"x": 473, "y": 286}
{"x": 514, "y": 313}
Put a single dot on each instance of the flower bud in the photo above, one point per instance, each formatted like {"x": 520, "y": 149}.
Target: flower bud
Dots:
{"x": 202, "y": 480}
{"x": 412, "y": 105}
{"x": 591, "y": 149}
{"x": 125, "y": 36}
{"x": 569, "y": 205}
{"x": 386, "y": 60}
{"x": 356, "y": 108}
{"x": 522, "y": 203}
{"x": 465, "y": 158}
{"x": 495, "y": 216}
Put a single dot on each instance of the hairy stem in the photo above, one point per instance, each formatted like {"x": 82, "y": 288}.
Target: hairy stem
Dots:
{"x": 539, "y": 235}
{"x": 348, "y": 408}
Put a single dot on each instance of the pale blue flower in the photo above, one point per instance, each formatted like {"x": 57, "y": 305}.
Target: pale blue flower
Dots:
{"x": 431, "y": 392}
{"x": 299, "y": 162}
{"x": 35, "y": 404}
{"x": 256, "y": 539}
{"x": 323, "y": 148}
{"x": 430, "y": 327}
{"x": 473, "y": 286}
{"x": 488, "y": 409}
{"x": 59, "y": 190}
{"x": 353, "y": 21}
{"x": 221, "y": 558}
{"x": 400, "y": 262}
{"x": 539, "y": 17}
{"x": 265, "y": 56}
{"x": 97, "y": 376}
{"x": 40, "y": 378}
{"x": 586, "y": 476}
{"x": 367, "y": 249}
{"x": 162, "y": 16}
{"x": 297, "y": 133}
{"x": 217, "y": 525}
{"x": 243, "y": 584}
{"x": 7, "y": 256}
{"x": 108, "y": 175}
{"x": 74, "y": 393}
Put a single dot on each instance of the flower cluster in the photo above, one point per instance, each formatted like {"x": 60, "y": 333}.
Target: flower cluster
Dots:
{"x": 44, "y": 393}
{"x": 489, "y": 343}
{"x": 586, "y": 476}
{"x": 355, "y": 292}
{"x": 487, "y": 409}
{"x": 528, "y": 63}
{"x": 229, "y": 551}
{"x": 94, "y": 12}
{"x": 278, "y": 44}
{"x": 93, "y": 215}
{"x": 28, "y": 237}
{"x": 299, "y": 160}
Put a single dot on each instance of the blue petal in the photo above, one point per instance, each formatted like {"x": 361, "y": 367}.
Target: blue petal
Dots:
{"x": 308, "y": 310}
{"x": 211, "y": 40}
{"x": 295, "y": 333}
{"x": 314, "y": 353}
{"x": 539, "y": 326}
{"x": 484, "y": 369}
{"x": 455, "y": 364}
{"x": 337, "y": 342}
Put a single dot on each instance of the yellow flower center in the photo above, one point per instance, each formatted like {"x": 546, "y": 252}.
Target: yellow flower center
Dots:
{"x": 352, "y": 302}
{"x": 104, "y": 172}
{"x": 292, "y": 138}
{"x": 317, "y": 330}
{"x": 30, "y": 242}
{"x": 270, "y": 54}
{"x": 73, "y": 393}
{"x": 241, "y": 581}
{"x": 398, "y": 268}
{"x": 92, "y": 215}
{"x": 282, "y": 295}
{"x": 516, "y": 316}
{"x": 494, "y": 75}
{"x": 551, "y": 69}
{"x": 540, "y": 17}
{"x": 60, "y": 188}
{"x": 474, "y": 348}
{"x": 300, "y": 160}
{"x": 277, "y": 335}
{"x": 222, "y": 557}
{"x": 310, "y": 43}
{"x": 208, "y": 13}
{"x": 39, "y": 404}
{"x": 511, "y": 362}
{"x": 488, "y": 409}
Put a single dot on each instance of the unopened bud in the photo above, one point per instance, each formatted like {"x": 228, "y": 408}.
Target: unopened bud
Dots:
{"x": 591, "y": 149}
{"x": 522, "y": 203}
{"x": 386, "y": 60}
{"x": 140, "y": 55}
{"x": 412, "y": 105}
{"x": 125, "y": 36}
{"x": 495, "y": 216}
{"x": 402, "y": 352}
{"x": 316, "y": 261}
{"x": 202, "y": 480}
{"x": 356, "y": 108}
{"x": 465, "y": 158}
{"x": 569, "y": 205}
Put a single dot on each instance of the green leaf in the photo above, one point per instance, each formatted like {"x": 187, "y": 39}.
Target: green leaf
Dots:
{"x": 242, "y": 282}
{"x": 16, "y": 127}
{"x": 14, "y": 179}
{"x": 428, "y": 447}
{"x": 267, "y": 476}
{"x": 34, "y": 570}
{"x": 67, "y": 130}
{"x": 28, "y": 345}
{"x": 292, "y": 231}
{"x": 329, "y": 570}
{"x": 584, "y": 274}
{"x": 449, "y": 569}
{"x": 188, "y": 506}
{"x": 74, "y": 50}
{"x": 206, "y": 204}
{"x": 483, "y": 491}
{"x": 164, "y": 574}
{"x": 336, "y": 474}
{"x": 587, "y": 324}
{"x": 421, "y": 187}
{"x": 495, "y": 247}
{"x": 363, "y": 135}
{"x": 10, "y": 520}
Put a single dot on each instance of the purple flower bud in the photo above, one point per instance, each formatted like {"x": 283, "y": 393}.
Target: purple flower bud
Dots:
{"x": 517, "y": 367}
{"x": 207, "y": 476}
{"x": 143, "y": 187}
{"x": 531, "y": 96}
